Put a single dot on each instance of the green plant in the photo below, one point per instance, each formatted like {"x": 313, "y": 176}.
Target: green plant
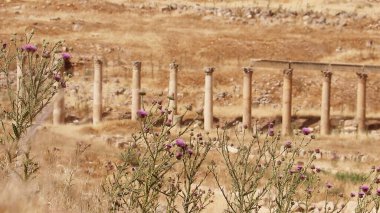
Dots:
{"x": 37, "y": 79}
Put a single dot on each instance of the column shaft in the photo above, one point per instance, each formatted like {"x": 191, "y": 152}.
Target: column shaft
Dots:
{"x": 325, "y": 104}
{"x": 361, "y": 102}
{"x": 98, "y": 78}
{"x": 208, "y": 108}
{"x": 173, "y": 69}
{"x": 136, "y": 86}
{"x": 247, "y": 98}
{"x": 287, "y": 102}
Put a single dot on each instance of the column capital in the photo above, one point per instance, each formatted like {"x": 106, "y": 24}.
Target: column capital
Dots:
{"x": 136, "y": 64}
{"x": 247, "y": 70}
{"x": 98, "y": 60}
{"x": 173, "y": 65}
{"x": 288, "y": 71}
{"x": 362, "y": 75}
{"x": 326, "y": 73}
{"x": 209, "y": 70}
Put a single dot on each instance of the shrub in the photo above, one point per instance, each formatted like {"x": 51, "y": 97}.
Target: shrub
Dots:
{"x": 40, "y": 77}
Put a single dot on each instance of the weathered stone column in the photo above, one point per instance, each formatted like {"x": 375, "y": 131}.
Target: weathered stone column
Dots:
{"x": 208, "y": 108}
{"x": 98, "y": 79}
{"x": 173, "y": 69}
{"x": 136, "y": 86}
{"x": 247, "y": 97}
{"x": 19, "y": 75}
{"x": 325, "y": 105}
{"x": 287, "y": 102}
{"x": 59, "y": 100}
{"x": 361, "y": 102}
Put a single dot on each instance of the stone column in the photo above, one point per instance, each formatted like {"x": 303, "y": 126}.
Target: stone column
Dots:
{"x": 19, "y": 75}
{"x": 361, "y": 102}
{"x": 173, "y": 69}
{"x": 208, "y": 108}
{"x": 136, "y": 86}
{"x": 287, "y": 102}
{"x": 247, "y": 97}
{"x": 98, "y": 78}
{"x": 59, "y": 101}
{"x": 325, "y": 106}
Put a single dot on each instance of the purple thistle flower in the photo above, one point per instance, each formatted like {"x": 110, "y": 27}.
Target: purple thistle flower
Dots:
{"x": 306, "y": 131}
{"x": 364, "y": 188}
{"x": 57, "y": 77}
{"x": 168, "y": 147}
{"x": 299, "y": 167}
{"x": 168, "y": 122}
{"x": 361, "y": 194}
{"x": 66, "y": 56}
{"x": 329, "y": 185}
{"x": 303, "y": 177}
{"x": 63, "y": 84}
{"x": 142, "y": 113}
{"x": 288, "y": 145}
{"x": 318, "y": 170}
{"x": 179, "y": 155}
{"x": 189, "y": 151}
{"x": 180, "y": 143}
{"x": 352, "y": 194}
{"x": 29, "y": 48}
{"x": 377, "y": 180}
{"x": 271, "y": 125}
{"x": 378, "y": 192}
{"x": 4, "y": 45}
{"x": 271, "y": 132}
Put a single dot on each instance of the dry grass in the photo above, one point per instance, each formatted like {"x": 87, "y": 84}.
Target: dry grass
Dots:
{"x": 123, "y": 34}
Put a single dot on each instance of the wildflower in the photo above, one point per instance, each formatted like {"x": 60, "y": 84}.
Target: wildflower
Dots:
{"x": 288, "y": 145}
{"x": 378, "y": 169}
{"x": 306, "y": 131}
{"x": 318, "y": 170}
{"x": 168, "y": 122}
{"x": 352, "y": 194}
{"x": 299, "y": 167}
{"x": 329, "y": 185}
{"x": 361, "y": 194}
{"x": 303, "y": 177}
{"x": 271, "y": 132}
{"x": 378, "y": 192}
{"x": 57, "y": 77}
{"x": 29, "y": 48}
{"x": 180, "y": 143}
{"x": 179, "y": 155}
{"x": 377, "y": 180}
{"x": 189, "y": 151}
{"x": 168, "y": 147}
{"x": 364, "y": 188}
{"x": 4, "y": 45}
{"x": 142, "y": 113}
{"x": 66, "y": 56}
{"x": 309, "y": 190}
{"x": 63, "y": 84}
{"x": 271, "y": 125}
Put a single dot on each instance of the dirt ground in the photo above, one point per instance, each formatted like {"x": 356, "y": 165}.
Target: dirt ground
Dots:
{"x": 195, "y": 34}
